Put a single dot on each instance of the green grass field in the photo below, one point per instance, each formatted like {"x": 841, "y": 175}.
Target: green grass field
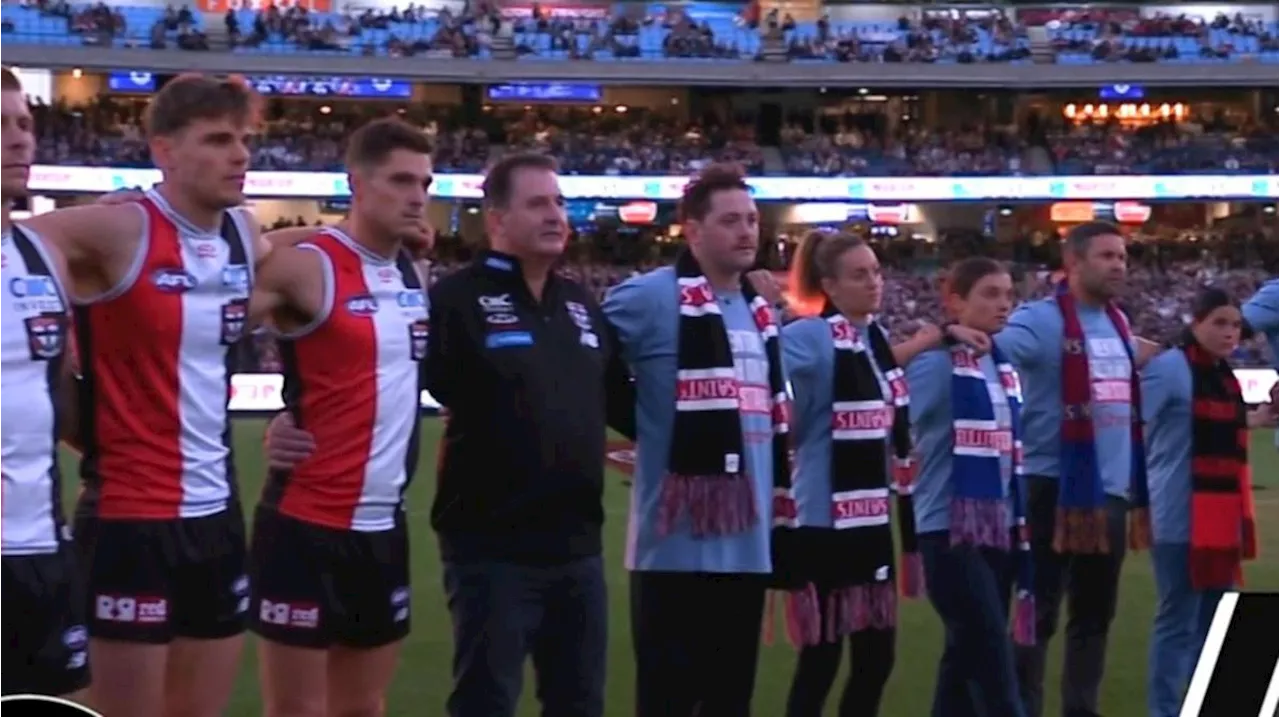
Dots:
{"x": 423, "y": 679}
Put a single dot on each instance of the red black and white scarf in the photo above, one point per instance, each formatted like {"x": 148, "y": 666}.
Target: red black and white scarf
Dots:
{"x": 706, "y": 479}
{"x": 1223, "y": 531}
{"x": 849, "y": 561}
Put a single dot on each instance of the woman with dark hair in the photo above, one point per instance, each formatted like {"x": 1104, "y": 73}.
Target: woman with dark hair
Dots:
{"x": 1202, "y": 518}
{"x": 833, "y": 546}
{"x": 970, "y": 500}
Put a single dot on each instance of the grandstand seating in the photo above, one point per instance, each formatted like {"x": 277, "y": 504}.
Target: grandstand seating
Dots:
{"x": 604, "y": 39}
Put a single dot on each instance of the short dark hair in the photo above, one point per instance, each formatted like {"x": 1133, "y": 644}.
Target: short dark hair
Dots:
{"x": 192, "y": 97}
{"x": 9, "y": 80}
{"x": 1080, "y": 238}
{"x": 695, "y": 203}
{"x": 966, "y": 274}
{"x": 373, "y": 142}
{"x": 500, "y": 179}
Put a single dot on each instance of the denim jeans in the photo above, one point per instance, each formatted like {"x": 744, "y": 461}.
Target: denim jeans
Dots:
{"x": 970, "y": 590}
{"x": 1183, "y": 616}
{"x": 503, "y": 613}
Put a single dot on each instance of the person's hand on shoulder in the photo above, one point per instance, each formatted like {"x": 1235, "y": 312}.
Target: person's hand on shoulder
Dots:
{"x": 286, "y": 444}
{"x": 766, "y": 285}
{"x": 421, "y": 242}
{"x": 979, "y": 341}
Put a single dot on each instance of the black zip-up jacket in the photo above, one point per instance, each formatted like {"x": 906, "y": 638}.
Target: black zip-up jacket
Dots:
{"x": 529, "y": 386}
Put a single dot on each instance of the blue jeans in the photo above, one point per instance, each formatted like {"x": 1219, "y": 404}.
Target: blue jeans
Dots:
{"x": 970, "y": 589}
{"x": 505, "y": 612}
{"x": 1183, "y": 616}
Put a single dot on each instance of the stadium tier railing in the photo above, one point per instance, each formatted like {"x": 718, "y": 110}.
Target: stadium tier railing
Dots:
{"x": 323, "y": 185}
{"x": 1245, "y": 73}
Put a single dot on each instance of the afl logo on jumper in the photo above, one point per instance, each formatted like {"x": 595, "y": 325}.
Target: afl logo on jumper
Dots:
{"x": 234, "y": 314}
{"x": 19, "y": 705}
{"x": 173, "y": 281}
{"x": 418, "y": 331}
{"x": 363, "y": 305}
{"x": 45, "y": 336}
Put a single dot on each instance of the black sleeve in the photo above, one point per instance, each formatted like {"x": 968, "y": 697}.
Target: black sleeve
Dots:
{"x": 450, "y": 347}
{"x": 619, "y": 387}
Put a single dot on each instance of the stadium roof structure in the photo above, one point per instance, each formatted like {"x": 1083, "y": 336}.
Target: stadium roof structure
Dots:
{"x": 745, "y": 74}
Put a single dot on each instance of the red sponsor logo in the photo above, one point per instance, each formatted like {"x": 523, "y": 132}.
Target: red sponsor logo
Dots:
{"x": 857, "y": 508}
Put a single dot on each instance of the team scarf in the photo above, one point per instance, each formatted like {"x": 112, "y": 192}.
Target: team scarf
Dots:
{"x": 706, "y": 475}
{"x": 1080, "y": 525}
{"x": 1223, "y": 531}
{"x": 979, "y": 509}
{"x": 848, "y": 561}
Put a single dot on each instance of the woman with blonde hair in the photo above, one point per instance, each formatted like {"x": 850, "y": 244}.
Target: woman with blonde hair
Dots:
{"x": 833, "y": 546}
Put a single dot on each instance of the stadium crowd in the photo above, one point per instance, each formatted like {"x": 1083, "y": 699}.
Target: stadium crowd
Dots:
{"x": 302, "y": 136}
{"x": 1164, "y": 278}
{"x": 733, "y": 32}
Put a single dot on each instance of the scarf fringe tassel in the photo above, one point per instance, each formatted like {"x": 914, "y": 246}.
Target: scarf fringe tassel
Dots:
{"x": 847, "y": 610}
{"x": 1024, "y": 619}
{"x": 716, "y": 504}
{"x": 911, "y": 575}
{"x": 979, "y": 522}
{"x": 1081, "y": 531}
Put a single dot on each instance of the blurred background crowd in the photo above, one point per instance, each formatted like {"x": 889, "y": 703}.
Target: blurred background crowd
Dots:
{"x": 1166, "y": 270}
{"x": 621, "y": 140}
{"x": 603, "y": 128}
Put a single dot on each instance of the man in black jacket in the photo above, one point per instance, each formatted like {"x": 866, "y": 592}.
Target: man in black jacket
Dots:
{"x": 529, "y": 371}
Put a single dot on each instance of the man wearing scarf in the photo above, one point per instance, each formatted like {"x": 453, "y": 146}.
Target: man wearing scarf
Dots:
{"x": 711, "y": 432}
{"x": 1083, "y": 459}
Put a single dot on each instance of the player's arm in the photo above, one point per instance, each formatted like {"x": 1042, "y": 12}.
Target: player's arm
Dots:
{"x": 96, "y": 241}
{"x": 290, "y": 288}
{"x": 68, "y": 397}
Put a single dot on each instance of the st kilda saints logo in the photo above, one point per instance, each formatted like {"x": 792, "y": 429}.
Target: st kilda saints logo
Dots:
{"x": 46, "y": 336}
{"x": 1238, "y": 671}
{"x": 418, "y": 332}
{"x": 234, "y": 315}
{"x": 41, "y": 706}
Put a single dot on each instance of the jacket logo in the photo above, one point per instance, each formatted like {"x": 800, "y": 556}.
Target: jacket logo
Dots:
{"x": 46, "y": 336}
{"x": 499, "y": 303}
